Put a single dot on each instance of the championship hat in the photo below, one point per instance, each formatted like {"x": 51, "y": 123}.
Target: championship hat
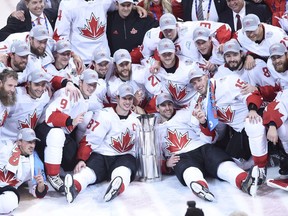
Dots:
{"x": 89, "y": 76}
{"x": 125, "y": 90}
{"x": 121, "y": 55}
{"x": 250, "y": 22}
{"x": 20, "y": 48}
{"x": 165, "y": 45}
{"x": 39, "y": 33}
{"x": 201, "y": 33}
{"x": 167, "y": 21}
{"x": 277, "y": 49}
{"x": 231, "y": 46}
{"x": 161, "y": 98}
{"x": 62, "y": 46}
{"x": 27, "y": 134}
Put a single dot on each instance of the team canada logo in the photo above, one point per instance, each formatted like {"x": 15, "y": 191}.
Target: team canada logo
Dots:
{"x": 176, "y": 142}
{"x": 8, "y": 177}
{"x": 93, "y": 30}
{"x": 3, "y": 117}
{"x": 175, "y": 93}
{"x": 30, "y": 122}
{"x": 133, "y": 31}
{"x": 124, "y": 143}
{"x": 226, "y": 115}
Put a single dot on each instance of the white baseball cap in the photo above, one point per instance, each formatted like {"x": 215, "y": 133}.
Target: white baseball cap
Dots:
{"x": 165, "y": 45}
{"x": 89, "y": 76}
{"x": 201, "y": 33}
{"x": 277, "y": 49}
{"x": 123, "y": 1}
{"x": 101, "y": 55}
{"x": 20, "y": 48}
{"x": 167, "y": 21}
{"x": 39, "y": 33}
{"x": 27, "y": 134}
{"x": 125, "y": 90}
{"x": 250, "y": 22}
{"x": 121, "y": 55}
{"x": 62, "y": 46}
{"x": 38, "y": 75}
{"x": 231, "y": 46}
{"x": 161, "y": 98}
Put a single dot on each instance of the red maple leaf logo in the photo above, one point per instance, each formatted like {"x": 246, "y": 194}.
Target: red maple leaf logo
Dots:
{"x": 30, "y": 122}
{"x": 3, "y": 117}
{"x": 272, "y": 113}
{"x": 123, "y": 144}
{"x": 176, "y": 142}
{"x": 225, "y": 115}
{"x": 93, "y": 30}
{"x": 8, "y": 177}
{"x": 173, "y": 89}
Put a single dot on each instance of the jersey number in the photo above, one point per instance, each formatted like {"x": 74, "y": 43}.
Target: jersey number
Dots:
{"x": 92, "y": 124}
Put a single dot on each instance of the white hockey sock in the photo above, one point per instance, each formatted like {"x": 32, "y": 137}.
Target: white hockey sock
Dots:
{"x": 85, "y": 177}
{"x": 193, "y": 174}
{"x": 228, "y": 171}
{"x": 124, "y": 173}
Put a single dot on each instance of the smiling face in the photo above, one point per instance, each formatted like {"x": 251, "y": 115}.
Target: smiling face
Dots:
{"x": 200, "y": 84}
{"x": 235, "y": 5}
{"x": 166, "y": 110}
{"x": 280, "y": 63}
{"x": 36, "y": 7}
{"x": 8, "y": 91}
{"x": 123, "y": 70}
{"x": 87, "y": 89}
{"x": 35, "y": 90}
{"x": 124, "y": 104}
{"x": 124, "y": 9}
{"x": 203, "y": 46}
{"x": 26, "y": 147}
{"x": 233, "y": 60}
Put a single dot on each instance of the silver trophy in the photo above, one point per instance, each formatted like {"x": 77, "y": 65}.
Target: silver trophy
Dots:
{"x": 148, "y": 150}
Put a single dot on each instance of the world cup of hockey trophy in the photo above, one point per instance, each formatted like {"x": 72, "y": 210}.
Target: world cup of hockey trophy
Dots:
{"x": 148, "y": 150}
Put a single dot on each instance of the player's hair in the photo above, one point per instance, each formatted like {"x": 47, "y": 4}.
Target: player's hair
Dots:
{"x": 6, "y": 73}
{"x": 166, "y": 5}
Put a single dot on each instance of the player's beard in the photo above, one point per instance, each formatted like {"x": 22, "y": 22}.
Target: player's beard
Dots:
{"x": 281, "y": 68}
{"x": 237, "y": 66}
{"x": 37, "y": 52}
{"x": 7, "y": 99}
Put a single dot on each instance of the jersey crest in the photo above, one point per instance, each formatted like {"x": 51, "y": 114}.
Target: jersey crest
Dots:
{"x": 93, "y": 30}
{"x": 176, "y": 142}
{"x": 124, "y": 143}
{"x": 177, "y": 93}
{"x": 226, "y": 115}
{"x": 8, "y": 177}
{"x": 30, "y": 122}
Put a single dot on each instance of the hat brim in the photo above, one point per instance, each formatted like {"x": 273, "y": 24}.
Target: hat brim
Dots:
{"x": 231, "y": 50}
{"x": 204, "y": 38}
{"x": 167, "y": 27}
{"x": 277, "y": 54}
{"x": 64, "y": 50}
{"x": 125, "y": 95}
{"x": 161, "y": 102}
{"x": 250, "y": 28}
{"x": 166, "y": 51}
{"x": 24, "y": 53}
{"x": 102, "y": 60}
{"x": 40, "y": 38}
{"x": 123, "y": 60}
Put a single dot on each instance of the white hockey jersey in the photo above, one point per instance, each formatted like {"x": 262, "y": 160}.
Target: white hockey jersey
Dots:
{"x": 109, "y": 135}
{"x": 24, "y": 114}
{"x": 176, "y": 84}
{"x": 60, "y": 108}
{"x": 231, "y": 104}
{"x": 272, "y": 35}
{"x": 182, "y": 133}
{"x": 13, "y": 174}
{"x": 83, "y": 23}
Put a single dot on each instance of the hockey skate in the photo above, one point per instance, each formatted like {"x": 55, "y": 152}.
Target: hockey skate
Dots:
{"x": 115, "y": 188}
{"x": 262, "y": 175}
{"x": 56, "y": 182}
{"x": 201, "y": 191}
{"x": 250, "y": 184}
{"x": 70, "y": 190}
{"x": 278, "y": 183}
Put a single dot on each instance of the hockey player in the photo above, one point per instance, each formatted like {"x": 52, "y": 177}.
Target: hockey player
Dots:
{"x": 275, "y": 117}
{"x": 30, "y": 103}
{"x": 84, "y": 24}
{"x": 256, "y": 38}
{"x": 186, "y": 143}
{"x": 8, "y": 83}
{"x": 107, "y": 151}
{"x": 19, "y": 164}
{"x": 173, "y": 75}
{"x": 258, "y": 78}
{"x": 237, "y": 111}
{"x": 58, "y": 146}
